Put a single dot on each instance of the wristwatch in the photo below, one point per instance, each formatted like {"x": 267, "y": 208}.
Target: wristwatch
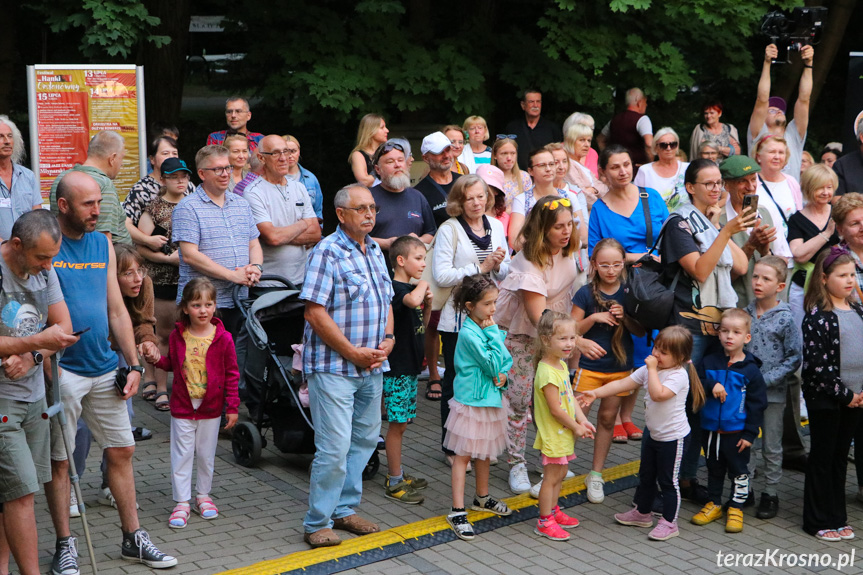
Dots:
{"x": 37, "y": 357}
{"x": 137, "y": 368}
{"x": 260, "y": 267}
{"x": 390, "y": 336}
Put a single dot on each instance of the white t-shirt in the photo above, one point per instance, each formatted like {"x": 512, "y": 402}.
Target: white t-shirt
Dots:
{"x": 782, "y": 197}
{"x": 795, "y": 147}
{"x": 281, "y": 206}
{"x": 671, "y": 189}
{"x": 666, "y": 420}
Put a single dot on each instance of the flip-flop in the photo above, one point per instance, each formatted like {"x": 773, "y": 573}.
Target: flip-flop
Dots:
{"x": 162, "y": 405}
{"x": 632, "y": 431}
{"x": 148, "y": 391}
{"x": 434, "y": 394}
{"x": 619, "y": 434}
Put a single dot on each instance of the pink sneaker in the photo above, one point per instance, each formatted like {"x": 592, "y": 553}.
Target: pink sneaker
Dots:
{"x": 634, "y": 518}
{"x": 664, "y": 530}
{"x": 563, "y": 519}
{"x": 550, "y": 529}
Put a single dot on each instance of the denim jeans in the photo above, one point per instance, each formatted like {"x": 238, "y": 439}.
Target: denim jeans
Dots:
{"x": 346, "y": 413}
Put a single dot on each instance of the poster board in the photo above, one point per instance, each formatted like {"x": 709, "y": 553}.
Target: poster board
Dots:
{"x": 69, "y": 104}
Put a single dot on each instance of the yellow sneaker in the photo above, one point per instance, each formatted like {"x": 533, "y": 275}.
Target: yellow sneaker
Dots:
{"x": 734, "y": 520}
{"x": 708, "y": 514}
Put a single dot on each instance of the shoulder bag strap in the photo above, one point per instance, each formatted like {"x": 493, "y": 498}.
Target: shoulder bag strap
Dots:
{"x": 642, "y": 193}
{"x": 766, "y": 189}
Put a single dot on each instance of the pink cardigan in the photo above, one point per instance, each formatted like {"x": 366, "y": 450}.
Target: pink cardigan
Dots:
{"x": 222, "y": 375}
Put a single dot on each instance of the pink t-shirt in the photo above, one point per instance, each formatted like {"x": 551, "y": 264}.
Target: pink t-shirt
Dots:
{"x": 557, "y": 283}
{"x": 592, "y": 162}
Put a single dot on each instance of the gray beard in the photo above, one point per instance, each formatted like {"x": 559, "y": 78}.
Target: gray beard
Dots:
{"x": 397, "y": 182}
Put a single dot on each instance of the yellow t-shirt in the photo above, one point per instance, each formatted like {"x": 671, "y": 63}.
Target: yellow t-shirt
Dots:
{"x": 194, "y": 365}
{"x": 552, "y": 438}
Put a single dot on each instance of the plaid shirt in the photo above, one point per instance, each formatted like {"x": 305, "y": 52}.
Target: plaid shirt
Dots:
{"x": 356, "y": 290}
{"x": 218, "y": 139}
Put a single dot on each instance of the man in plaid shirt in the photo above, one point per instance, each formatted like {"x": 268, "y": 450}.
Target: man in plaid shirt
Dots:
{"x": 348, "y": 336}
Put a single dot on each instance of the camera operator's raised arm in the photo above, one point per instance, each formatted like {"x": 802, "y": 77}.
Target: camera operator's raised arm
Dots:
{"x": 804, "y": 92}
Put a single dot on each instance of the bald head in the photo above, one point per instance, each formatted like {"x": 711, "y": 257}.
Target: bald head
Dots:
{"x": 75, "y": 183}
{"x": 273, "y": 154}
{"x": 78, "y": 199}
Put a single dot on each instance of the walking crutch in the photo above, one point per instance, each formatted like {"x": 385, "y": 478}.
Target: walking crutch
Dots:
{"x": 56, "y": 410}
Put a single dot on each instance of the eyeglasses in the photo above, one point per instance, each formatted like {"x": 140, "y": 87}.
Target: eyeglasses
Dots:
{"x": 606, "y": 267}
{"x": 279, "y": 153}
{"x": 372, "y": 208}
{"x": 507, "y": 136}
{"x": 236, "y": 111}
{"x": 557, "y": 203}
{"x": 711, "y": 185}
{"x": 218, "y": 170}
{"x": 457, "y": 142}
{"x": 140, "y": 272}
{"x": 774, "y": 111}
{"x": 668, "y": 145}
{"x": 546, "y": 166}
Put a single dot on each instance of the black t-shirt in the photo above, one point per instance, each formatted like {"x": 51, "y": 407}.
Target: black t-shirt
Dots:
{"x": 801, "y": 228}
{"x": 402, "y": 213}
{"x": 431, "y": 190}
{"x": 408, "y": 353}
{"x": 529, "y": 139}
{"x": 677, "y": 242}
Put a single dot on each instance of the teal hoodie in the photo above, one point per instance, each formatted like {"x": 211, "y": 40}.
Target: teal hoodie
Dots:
{"x": 479, "y": 357}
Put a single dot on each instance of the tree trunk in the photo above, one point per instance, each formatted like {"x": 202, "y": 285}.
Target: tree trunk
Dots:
{"x": 165, "y": 67}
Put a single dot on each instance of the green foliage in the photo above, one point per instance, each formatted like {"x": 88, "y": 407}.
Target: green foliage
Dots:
{"x": 109, "y": 27}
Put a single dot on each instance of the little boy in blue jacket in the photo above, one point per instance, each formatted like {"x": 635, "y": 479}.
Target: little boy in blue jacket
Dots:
{"x": 736, "y": 397}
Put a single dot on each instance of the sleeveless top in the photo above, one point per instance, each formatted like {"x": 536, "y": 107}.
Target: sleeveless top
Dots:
{"x": 82, "y": 266}
{"x": 163, "y": 274}
{"x": 370, "y": 164}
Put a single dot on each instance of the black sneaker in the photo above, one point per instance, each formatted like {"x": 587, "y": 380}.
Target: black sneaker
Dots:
{"x": 65, "y": 561}
{"x": 138, "y": 547}
{"x": 768, "y": 507}
{"x": 695, "y": 492}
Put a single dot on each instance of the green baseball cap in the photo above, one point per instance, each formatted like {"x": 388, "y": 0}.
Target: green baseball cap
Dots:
{"x": 737, "y": 167}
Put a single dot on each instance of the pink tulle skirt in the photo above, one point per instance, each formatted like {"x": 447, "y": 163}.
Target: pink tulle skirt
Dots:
{"x": 476, "y": 431}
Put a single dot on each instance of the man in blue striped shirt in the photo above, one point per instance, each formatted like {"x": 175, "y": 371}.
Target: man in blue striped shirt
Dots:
{"x": 348, "y": 336}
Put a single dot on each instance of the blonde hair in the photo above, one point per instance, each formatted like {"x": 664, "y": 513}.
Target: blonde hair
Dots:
{"x": 540, "y": 220}
{"x": 547, "y": 327}
{"x": 676, "y": 341}
{"x": 815, "y": 177}
{"x": 737, "y": 314}
{"x": 474, "y": 120}
{"x": 290, "y": 138}
{"x": 516, "y": 172}
{"x": 573, "y": 133}
{"x": 777, "y": 264}
{"x": 235, "y": 138}
{"x": 846, "y": 204}
{"x": 369, "y": 125}
{"x": 763, "y": 140}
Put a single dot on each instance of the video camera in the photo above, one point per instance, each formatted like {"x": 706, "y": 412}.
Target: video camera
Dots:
{"x": 802, "y": 28}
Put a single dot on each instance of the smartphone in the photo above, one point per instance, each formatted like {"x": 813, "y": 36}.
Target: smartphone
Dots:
{"x": 77, "y": 333}
{"x": 750, "y": 203}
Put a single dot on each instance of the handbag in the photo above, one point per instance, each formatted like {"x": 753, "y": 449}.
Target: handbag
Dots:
{"x": 646, "y": 297}
{"x": 440, "y": 294}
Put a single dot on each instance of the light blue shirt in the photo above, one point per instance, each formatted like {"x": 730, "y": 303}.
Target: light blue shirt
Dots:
{"x": 19, "y": 200}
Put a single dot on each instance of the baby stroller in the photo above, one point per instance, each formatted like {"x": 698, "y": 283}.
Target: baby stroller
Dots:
{"x": 274, "y": 320}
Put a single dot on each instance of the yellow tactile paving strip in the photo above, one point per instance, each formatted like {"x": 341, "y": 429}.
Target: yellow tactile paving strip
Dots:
{"x": 402, "y": 533}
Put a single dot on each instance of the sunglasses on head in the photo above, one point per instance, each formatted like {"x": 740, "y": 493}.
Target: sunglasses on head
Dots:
{"x": 507, "y": 136}
{"x": 557, "y": 203}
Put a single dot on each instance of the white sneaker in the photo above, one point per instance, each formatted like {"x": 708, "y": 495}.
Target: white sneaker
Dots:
{"x": 107, "y": 498}
{"x": 569, "y": 475}
{"x": 518, "y": 480}
{"x": 73, "y": 506}
{"x": 534, "y": 491}
{"x": 595, "y": 492}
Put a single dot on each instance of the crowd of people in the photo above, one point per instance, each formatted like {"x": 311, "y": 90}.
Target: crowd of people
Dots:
{"x": 504, "y": 271}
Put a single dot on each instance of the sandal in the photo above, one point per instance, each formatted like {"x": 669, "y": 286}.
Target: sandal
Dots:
{"x": 434, "y": 394}
{"x": 619, "y": 434}
{"x": 179, "y": 516}
{"x": 148, "y": 391}
{"x": 825, "y": 535}
{"x": 205, "y": 507}
{"x": 162, "y": 405}
{"x": 632, "y": 431}
{"x": 846, "y": 528}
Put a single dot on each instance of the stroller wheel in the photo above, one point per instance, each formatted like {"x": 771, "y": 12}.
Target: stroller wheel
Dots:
{"x": 372, "y": 466}
{"x": 246, "y": 444}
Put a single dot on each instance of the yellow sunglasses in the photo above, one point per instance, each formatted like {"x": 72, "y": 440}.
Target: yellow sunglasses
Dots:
{"x": 557, "y": 203}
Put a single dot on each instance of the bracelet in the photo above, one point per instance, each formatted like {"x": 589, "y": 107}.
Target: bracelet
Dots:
{"x": 805, "y": 66}
{"x": 826, "y": 238}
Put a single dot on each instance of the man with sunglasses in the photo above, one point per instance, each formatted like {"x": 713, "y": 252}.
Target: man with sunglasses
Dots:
{"x": 532, "y": 131}
{"x": 403, "y": 211}
{"x": 283, "y": 212}
{"x": 768, "y": 116}
{"x": 631, "y": 129}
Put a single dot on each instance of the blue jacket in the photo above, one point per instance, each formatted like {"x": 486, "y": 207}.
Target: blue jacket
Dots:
{"x": 479, "y": 357}
{"x": 314, "y": 188}
{"x": 743, "y": 409}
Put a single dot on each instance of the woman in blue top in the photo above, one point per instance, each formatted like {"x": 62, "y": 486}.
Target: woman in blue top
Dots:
{"x": 620, "y": 215}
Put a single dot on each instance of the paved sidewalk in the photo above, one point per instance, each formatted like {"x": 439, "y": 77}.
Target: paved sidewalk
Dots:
{"x": 262, "y": 509}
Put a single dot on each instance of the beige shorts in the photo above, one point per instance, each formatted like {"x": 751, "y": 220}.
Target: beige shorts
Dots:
{"x": 96, "y": 400}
